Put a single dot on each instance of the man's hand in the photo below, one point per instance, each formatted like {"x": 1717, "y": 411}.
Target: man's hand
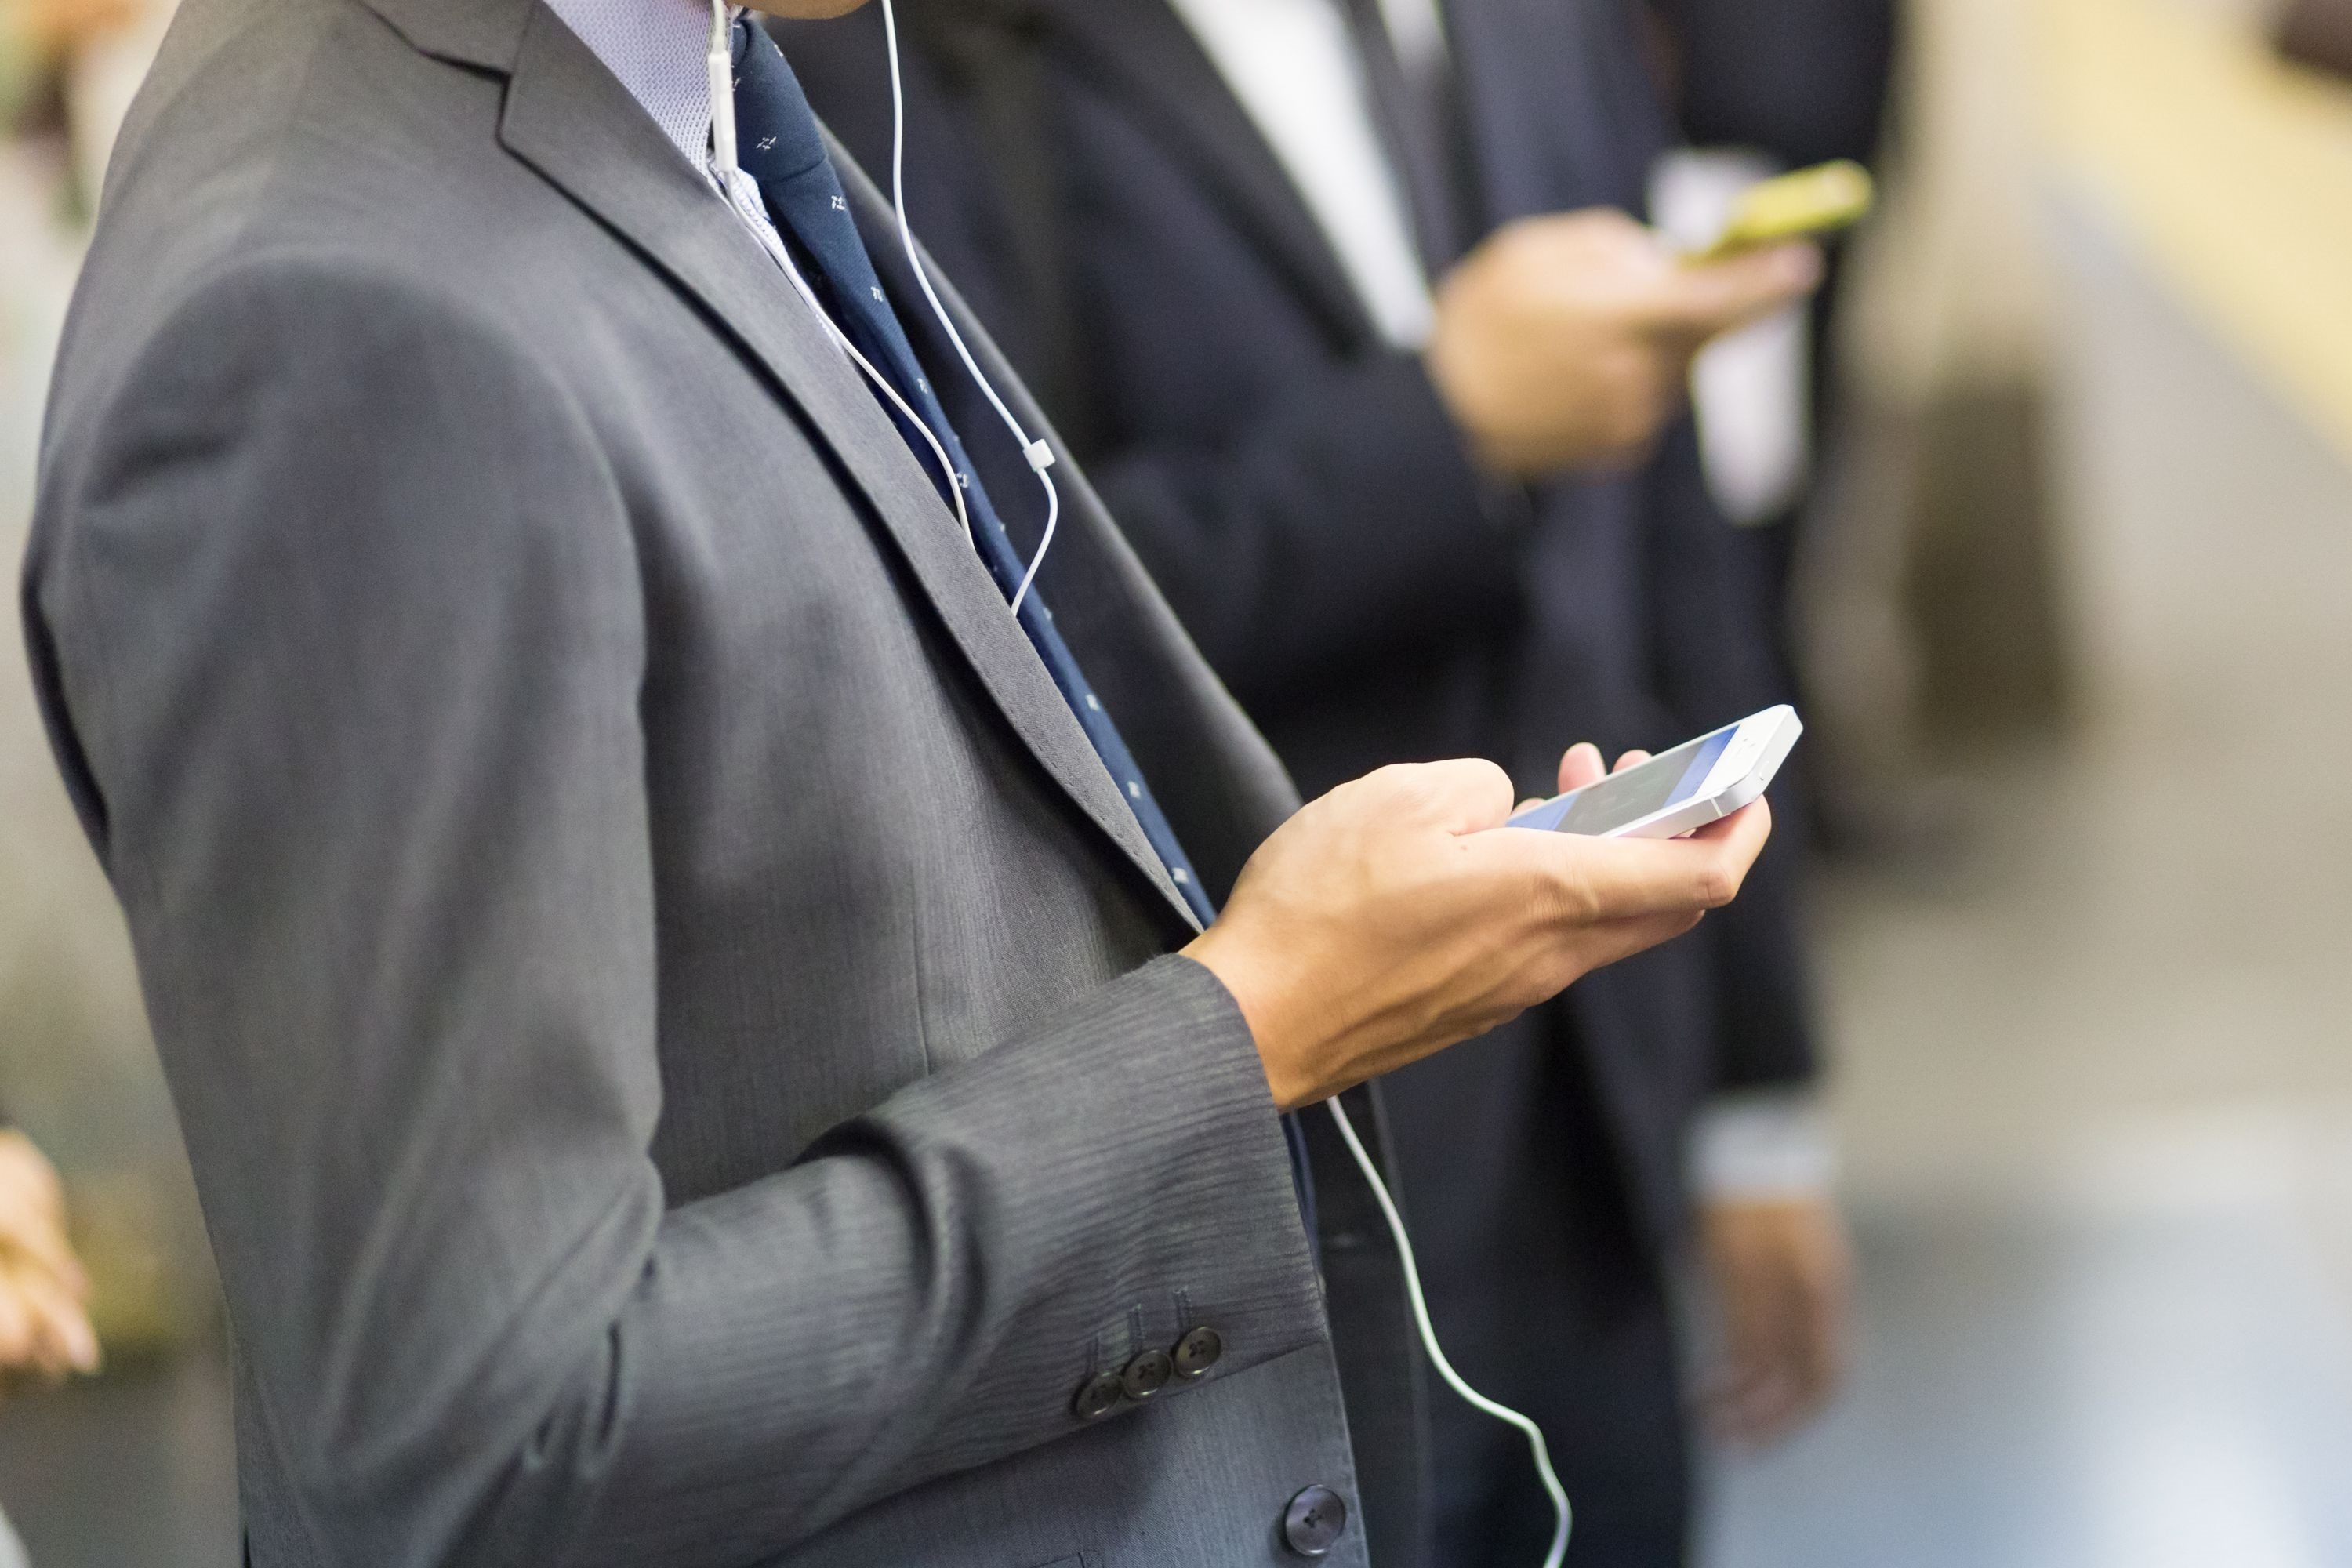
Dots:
{"x": 1391, "y": 919}
{"x": 1783, "y": 1273}
{"x": 44, "y": 1331}
{"x": 51, "y": 29}
{"x": 1564, "y": 343}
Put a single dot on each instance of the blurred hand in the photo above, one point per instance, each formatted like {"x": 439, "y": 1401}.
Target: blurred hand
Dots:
{"x": 54, "y": 28}
{"x": 1390, "y": 920}
{"x": 1782, "y": 1271}
{"x": 44, "y": 1330}
{"x": 1564, "y": 343}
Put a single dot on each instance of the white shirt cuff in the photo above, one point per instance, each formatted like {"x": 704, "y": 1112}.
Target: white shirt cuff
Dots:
{"x": 1763, "y": 1146}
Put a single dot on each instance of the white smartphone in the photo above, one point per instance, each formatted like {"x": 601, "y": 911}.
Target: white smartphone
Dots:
{"x": 1679, "y": 791}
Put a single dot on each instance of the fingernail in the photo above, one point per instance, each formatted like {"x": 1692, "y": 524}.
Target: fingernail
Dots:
{"x": 81, "y": 1346}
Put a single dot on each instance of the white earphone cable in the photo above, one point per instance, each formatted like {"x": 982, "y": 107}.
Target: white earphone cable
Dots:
{"x": 718, "y": 65}
{"x": 735, "y": 186}
{"x": 1471, "y": 1396}
{"x": 1039, "y": 454}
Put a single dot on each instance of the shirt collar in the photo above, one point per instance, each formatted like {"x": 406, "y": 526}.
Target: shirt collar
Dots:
{"x": 656, "y": 47}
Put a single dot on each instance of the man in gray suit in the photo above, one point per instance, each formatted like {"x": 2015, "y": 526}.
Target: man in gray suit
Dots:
{"x": 695, "y": 1034}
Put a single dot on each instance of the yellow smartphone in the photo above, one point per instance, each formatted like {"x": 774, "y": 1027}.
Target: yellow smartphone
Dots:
{"x": 1820, "y": 200}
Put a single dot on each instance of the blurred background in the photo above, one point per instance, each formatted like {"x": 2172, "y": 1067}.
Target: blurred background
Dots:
{"x": 2068, "y": 567}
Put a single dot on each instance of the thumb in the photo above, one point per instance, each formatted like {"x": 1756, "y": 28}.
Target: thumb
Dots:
{"x": 1601, "y": 879}
{"x": 1713, "y": 297}
{"x": 1464, "y": 796}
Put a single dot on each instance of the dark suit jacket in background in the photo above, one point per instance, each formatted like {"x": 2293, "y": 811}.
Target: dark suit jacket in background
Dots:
{"x": 1805, "y": 81}
{"x": 671, "y": 1017}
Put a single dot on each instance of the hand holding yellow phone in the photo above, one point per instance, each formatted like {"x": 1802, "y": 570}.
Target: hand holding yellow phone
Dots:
{"x": 1817, "y": 201}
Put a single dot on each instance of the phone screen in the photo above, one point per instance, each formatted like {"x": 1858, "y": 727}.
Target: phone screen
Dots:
{"x": 1667, "y": 779}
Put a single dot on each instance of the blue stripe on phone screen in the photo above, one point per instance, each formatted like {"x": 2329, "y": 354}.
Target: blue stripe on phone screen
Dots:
{"x": 1637, "y": 793}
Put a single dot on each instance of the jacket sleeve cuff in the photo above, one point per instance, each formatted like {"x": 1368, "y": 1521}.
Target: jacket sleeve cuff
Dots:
{"x": 1763, "y": 1147}
{"x": 998, "y": 1245}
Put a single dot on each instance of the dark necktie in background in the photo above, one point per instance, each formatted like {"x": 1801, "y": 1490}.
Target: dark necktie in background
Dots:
{"x": 1417, "y": 107}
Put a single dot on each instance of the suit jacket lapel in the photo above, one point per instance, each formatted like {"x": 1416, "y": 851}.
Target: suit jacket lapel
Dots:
{"x": 567, "y": 117}
{"x": 1143, "y": 49}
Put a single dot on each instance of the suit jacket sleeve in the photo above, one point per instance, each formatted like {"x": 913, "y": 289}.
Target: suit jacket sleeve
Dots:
{"x": 343, "y": 638}
{"x": 1349, "y": 521}
{"x": 1805, "y": 79}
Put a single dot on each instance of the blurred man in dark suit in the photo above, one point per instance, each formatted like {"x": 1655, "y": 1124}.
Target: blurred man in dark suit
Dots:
{"x": 1345, "y": 307}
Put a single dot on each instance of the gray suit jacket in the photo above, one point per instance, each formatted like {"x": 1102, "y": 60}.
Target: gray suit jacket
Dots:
{"x": 672, "y": 1020}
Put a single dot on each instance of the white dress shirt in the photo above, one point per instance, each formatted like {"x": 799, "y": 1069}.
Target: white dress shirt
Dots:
{"x": 656, "y": 47}
{"x": 658, "y": 50}
{"x": 1293, "y": 66}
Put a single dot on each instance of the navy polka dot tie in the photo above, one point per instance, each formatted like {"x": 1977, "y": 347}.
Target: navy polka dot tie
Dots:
{"x": 782, "y": 149}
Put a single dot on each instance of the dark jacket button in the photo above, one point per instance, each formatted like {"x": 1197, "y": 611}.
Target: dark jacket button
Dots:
{"x": 1314, "y": 1522}
{"x": 1197, "y": 1352}
{"x": 1148, "y": 1374}
{"x": 1098, "y": 1398}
